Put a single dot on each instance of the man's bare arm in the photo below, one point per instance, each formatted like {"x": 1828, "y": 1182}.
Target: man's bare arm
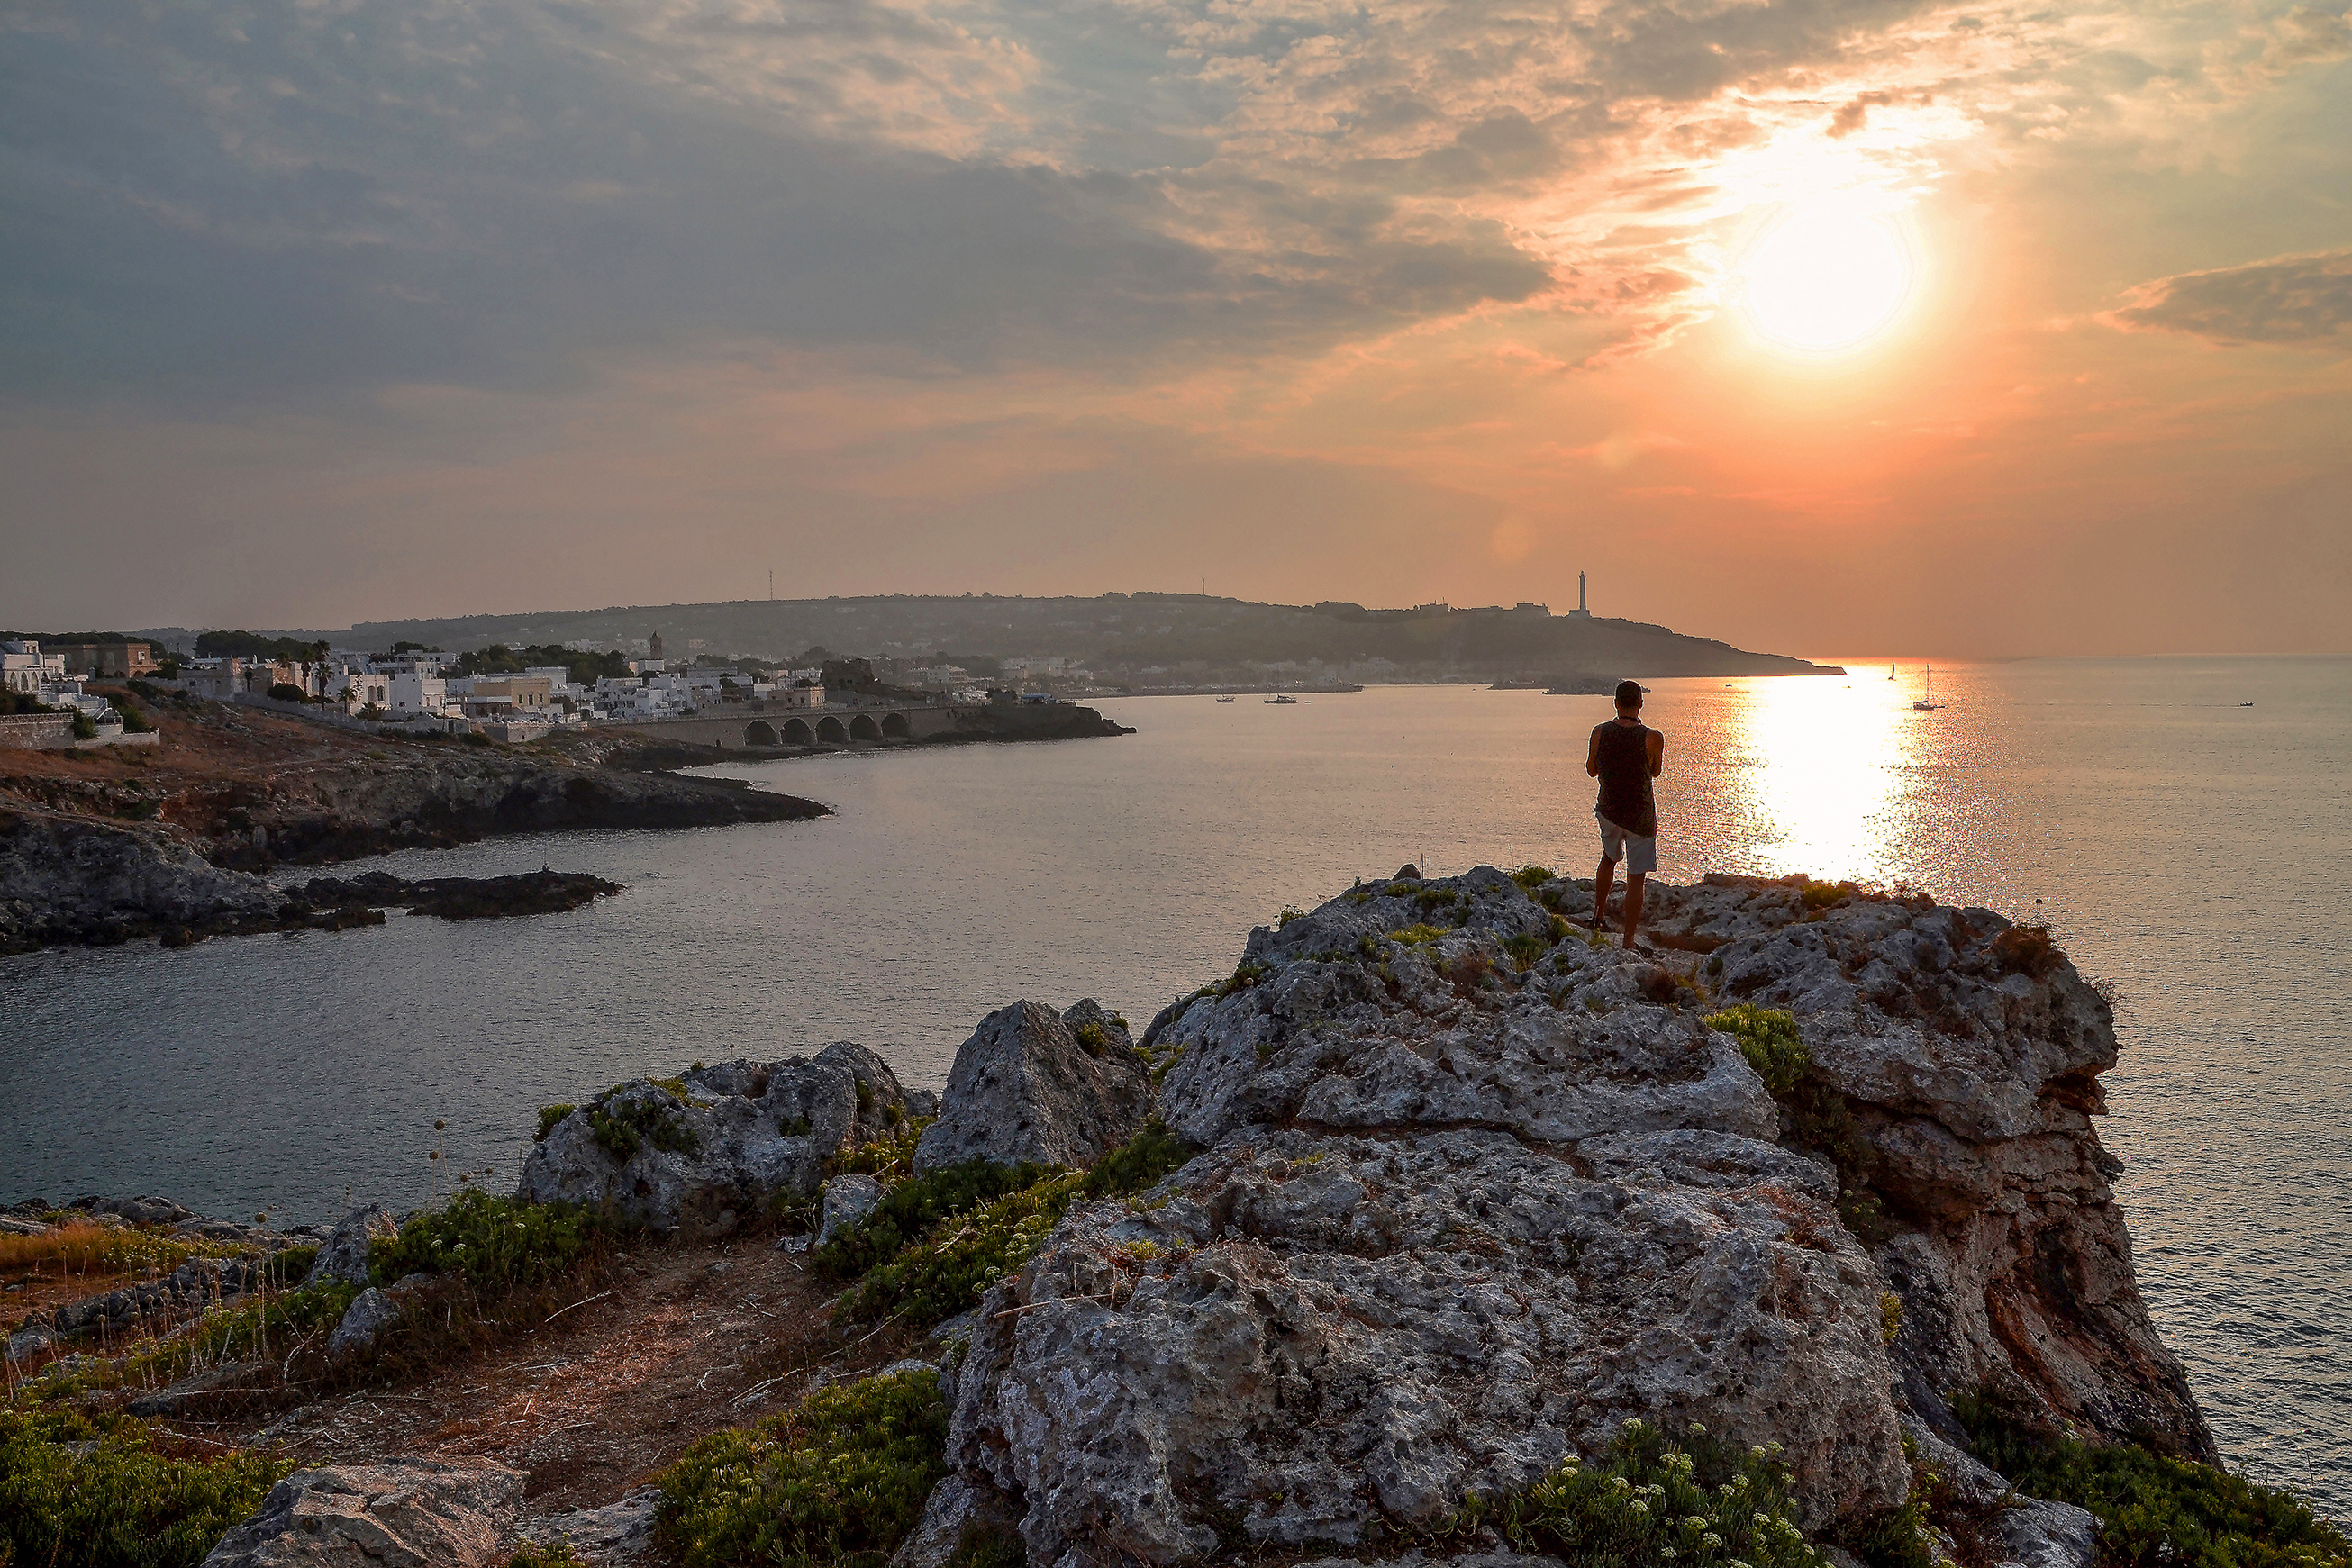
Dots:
{"x": 1657, "y": 754}
{"x": 1592, "y": 755}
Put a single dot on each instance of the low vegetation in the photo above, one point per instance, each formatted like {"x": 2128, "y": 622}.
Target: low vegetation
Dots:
{"x": 2155, "y": 1511}
{"x": 947, "y": 1270}
{"x": 492, "y": 1243}
{"x": 912, "y": 1208}
{"x": 81, "y": 1491}
{"x": 269, "y": 1325}
{"x": 1816, "y": 1116}
{"x": 1532, "y": 877}
{"x": 83, "y": 1246}
{"x": 624, "y": 1127}
{"x": 838, "y": 1480}
{"x": 1655, "y": 1500}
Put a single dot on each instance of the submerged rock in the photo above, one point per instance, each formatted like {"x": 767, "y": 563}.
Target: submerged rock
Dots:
{"x": 739, "y": 1135}
{"x": 400, "y": 1513}
{"x": 1477, "y": 1192}
{"x": 1031, "y": 1084}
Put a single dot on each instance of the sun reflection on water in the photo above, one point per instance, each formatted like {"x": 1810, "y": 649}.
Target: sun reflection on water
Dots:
{"x": 1823, "y": 772}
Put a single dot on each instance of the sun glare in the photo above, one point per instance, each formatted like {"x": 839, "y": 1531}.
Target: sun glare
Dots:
{"x": 1826, "y": 278}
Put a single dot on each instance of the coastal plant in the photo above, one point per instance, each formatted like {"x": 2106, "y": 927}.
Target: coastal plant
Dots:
{"x": 269, "y": 1325}
{"x": 1769, "y": 1039}
{"x": 1531, "y": 876}
{"x": 1661, "y": 1500}
{"x": 888, "y": 1158}
{"x": 1525, "y": 949}
{"x": 1818, "y": 897}
{"x": 1419, "y": 936}
{"x": 839, "y": 1480}
{"x": 1249, "y": 972}
{"x": 2154, "y": 1510}
{"x": 548, "y": 1116}
{"x": 100, "y": 1491}
{"x": 546, "y": 1554}
{"x": 1288, "y": 915}
{"x": 1092, "y": 1040}
{"x": 84, "y": 1247}
{"x": 946, "y": 1271}
{"x": 2027, "y": 950}
{"x": 911, "y": 1209}
{"x": 624, "y": 1126}
{"x": 492, "y": 1243}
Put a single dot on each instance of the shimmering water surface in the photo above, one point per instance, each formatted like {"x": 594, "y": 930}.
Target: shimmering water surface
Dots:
{"x": 2194, "y": 851}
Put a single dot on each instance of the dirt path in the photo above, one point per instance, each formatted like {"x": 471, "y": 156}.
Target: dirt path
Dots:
{"x": 691, "y": 1339}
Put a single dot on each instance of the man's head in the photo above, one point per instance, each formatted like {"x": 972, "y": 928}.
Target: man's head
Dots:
{"x": 1629, "y": 698}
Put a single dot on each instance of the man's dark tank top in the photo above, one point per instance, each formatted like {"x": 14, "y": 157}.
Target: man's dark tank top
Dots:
{"x": 1625, "y": 798}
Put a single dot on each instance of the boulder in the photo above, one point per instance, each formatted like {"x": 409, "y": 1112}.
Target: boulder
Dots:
{"x": 740, "y": 1133}
{"x": 1031, "y": 1084}
{"x": 146, "y": 1210}
{"x": 1474, "y": 1195}
{"x": 847, "y": 1200}
{"x": 364, "y": 1325}
{"x": 344, "y": 1254}
{"x": 618, "y": 1533}
{"x": 215, "y": 1388}
{"x": 399, "y": 1512}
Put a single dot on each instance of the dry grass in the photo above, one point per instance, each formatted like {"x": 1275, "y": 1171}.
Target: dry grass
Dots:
{"x": 86, "y": 1250}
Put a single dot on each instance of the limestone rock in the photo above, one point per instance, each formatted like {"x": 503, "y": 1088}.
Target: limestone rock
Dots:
{"x": 1032, "y": 1084}
{"x": 1477, "y": 1191}
{"x": 209, "y": 1390}
{"x": 1968, "y": 1051}
{"x": 401, "y": 1512}
{"x": 618, "y": 1533}
{"x": 364, "y": 1325}
{"x": 344, "y": 1254}
{"x": 847, "y": 1200}
{"x": 144, "y": 1210}
{"x": 955, "y": 1506}
{"x": 742, "y": 1132}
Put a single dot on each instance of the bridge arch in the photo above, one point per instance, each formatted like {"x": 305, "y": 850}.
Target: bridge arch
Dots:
{"x": 759, "y": 732}
{"x": 829, "y": 729}
{"x": 798, "y": 733}
{"x": 863, "y": 728}
{"x": 895, "y": 725}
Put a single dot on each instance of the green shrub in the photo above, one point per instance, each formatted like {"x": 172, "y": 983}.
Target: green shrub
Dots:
{"x": 888, "y": 1157}
{"x": 269, "y": 1327}
{"x": 1769, "y": 1039}
{"x": 84, "y": 727}
{"x": 641, "y": 1121}
{"x": 492, "y": 1242}
{"x": 989, "y": 1544}
{"x": 133, "y": 721}
{"x": 1436, "y": 897}
{"x": 1247, "y": 973}
{"x": 77, "y": 1491}
{"x": 554, "y": 1554}
{"x": 2027, "y": 950}
{"x": 1531, "y": 877}
{"x": 911, "y": 1209}
{"x": 1525, "y": 949}
{"x": 1092, "y": 1040}
{"x": 1140, "y": 1162}
{"x": 1655, "y": 1500}
{"x": 1418, "y": 935}
{"x": 838, "y": 1480}
{"x": 1288, "y": 915}
{"x": 1820, "y": 895}
{"x": 2155, "y": 1511}
{"x": 548, "y": 1116}
{"x": 946, "y": 1272}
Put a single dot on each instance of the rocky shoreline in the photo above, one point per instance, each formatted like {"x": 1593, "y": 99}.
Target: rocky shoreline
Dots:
{"x": 1365, "y": 1249}
{"x": 176, "y": 843}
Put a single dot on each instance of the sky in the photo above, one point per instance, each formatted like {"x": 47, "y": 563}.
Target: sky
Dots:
{"x": 1817, "y": 325}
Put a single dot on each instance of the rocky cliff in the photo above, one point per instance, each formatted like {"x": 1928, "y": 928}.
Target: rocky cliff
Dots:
{"x": 1476, "y": 1192}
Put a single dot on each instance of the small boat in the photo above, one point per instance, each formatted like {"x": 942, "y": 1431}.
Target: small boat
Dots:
{"x": 1928, "y": 703}
{"x": 1225, "y": 699}
{"x": 1281, "y": 701}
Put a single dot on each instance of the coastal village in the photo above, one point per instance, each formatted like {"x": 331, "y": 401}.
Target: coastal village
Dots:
{"x": 426, "y": 691}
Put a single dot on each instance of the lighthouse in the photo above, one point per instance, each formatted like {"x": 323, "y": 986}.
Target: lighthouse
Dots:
{"x": 1581, "y": 613}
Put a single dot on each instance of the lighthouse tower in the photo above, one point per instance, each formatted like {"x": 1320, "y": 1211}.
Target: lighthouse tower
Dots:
{"x": 1581, "y": 613}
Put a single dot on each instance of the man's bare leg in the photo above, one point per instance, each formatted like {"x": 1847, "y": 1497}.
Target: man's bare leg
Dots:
{"x": 1634, "y": 880}
{"x": 1603, "y": 879}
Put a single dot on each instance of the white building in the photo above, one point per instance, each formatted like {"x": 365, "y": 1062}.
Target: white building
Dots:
{"x": 24, "y": 668}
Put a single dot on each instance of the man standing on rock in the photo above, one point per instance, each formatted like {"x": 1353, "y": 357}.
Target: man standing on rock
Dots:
{"x": 1625, "y": 755}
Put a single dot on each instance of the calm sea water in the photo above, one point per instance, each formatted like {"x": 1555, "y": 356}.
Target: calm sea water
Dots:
{"x": 2193, "y": 851}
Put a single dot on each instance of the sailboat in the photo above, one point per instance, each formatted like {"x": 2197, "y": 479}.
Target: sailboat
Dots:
{"x": 1928, "y": 703}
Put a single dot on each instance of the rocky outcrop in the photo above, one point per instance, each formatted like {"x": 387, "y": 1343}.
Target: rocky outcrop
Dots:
{"x": 344, "y": 1254}
{"x": 1477, "y": 1192}
{"x": 1967, "y": 1052}
{"x": 540, "y": 892}
{"x": 707, "y": 1150}
{"x": 1031, "y": 1084}
{"x": 65, "y": 881}
{"x": 847, "y": 1200}
{"x": 390, "y": 1513}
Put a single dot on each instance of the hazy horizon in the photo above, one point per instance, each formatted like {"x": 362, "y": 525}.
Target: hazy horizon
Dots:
{"x": 1973, "y": 329}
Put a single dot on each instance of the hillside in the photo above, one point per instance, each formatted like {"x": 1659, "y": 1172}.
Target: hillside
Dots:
{"x": 1120, "y": 636}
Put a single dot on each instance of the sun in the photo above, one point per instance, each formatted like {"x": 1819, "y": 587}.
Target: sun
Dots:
{"x": 1826, "y": 278}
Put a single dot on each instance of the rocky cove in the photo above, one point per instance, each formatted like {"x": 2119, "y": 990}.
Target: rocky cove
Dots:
{"x": 1412, "y": 1236}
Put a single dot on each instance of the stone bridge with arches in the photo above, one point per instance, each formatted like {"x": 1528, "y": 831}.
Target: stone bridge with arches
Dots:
{"x": 764, "y": 726}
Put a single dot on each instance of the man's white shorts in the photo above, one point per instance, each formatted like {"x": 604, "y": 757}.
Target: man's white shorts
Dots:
{"x": 1640, "y": 854}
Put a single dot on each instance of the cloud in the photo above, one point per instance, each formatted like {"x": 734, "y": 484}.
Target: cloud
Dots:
{"x": 2293, "y": 299}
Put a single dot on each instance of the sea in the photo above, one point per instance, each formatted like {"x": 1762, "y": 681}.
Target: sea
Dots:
{"x": 2184, "y": 825}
